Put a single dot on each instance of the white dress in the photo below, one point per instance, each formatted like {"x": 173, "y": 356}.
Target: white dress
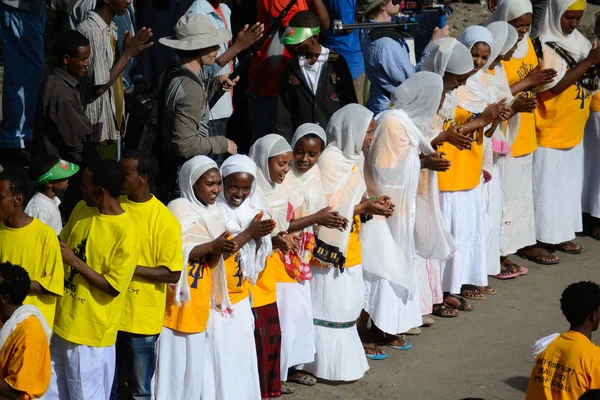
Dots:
{"x": 591, "y": 149}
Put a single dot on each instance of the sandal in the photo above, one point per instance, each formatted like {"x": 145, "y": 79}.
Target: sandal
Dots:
{"x": 504, "y": 274}
{"x": 287, "y": 389}
{"x": 380, "y": 355}
{"x": 476, "y": 294}
{"x": 464, "y": 306}
{"x": 444, "y": 312}
{"x": 398, "y": 339}
{"x": 542, "y": 259}
{"x": 427, "y": 321}
{"x": 562, "y": 247}
{"x": 303, "y": 379}
{"x": 487, "y": 290}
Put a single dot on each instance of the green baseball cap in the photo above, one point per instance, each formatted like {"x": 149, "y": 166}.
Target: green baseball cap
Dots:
{"x": 61, "y": 170}
{"x": 296, "y": 35}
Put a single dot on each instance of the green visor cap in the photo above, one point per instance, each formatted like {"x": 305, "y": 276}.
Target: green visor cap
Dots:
{"x": 63, "y": 169}
{"x": 294, "y": 35}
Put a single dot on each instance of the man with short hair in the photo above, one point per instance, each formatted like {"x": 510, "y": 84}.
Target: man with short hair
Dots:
{"x": 30, "y": 243}
{"x": 22, "y": 29}
{"x": 61, "y": 127}
{"x": 160, "y": 263}
{"x": 570, "y": 364}
{"x": 24, "y": 343}
{"x": 102, "y": 88}
{"x": 100, "y": 251}
{"x": 315, "y": 83}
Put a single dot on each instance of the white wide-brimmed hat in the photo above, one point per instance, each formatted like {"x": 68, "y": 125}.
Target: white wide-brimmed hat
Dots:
{"x": 195, "y": 32}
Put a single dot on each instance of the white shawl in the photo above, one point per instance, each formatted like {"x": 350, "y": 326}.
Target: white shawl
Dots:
{"x": 549, "y": 30}
{"x": 252, "y": 257}
{"x": 199, "y": 224}
{"x": 274, "y": 197}
{"x": 507, "y": 10}
{"x": 341, "y": 167}
{"x": 20, "y": 315}
{"x": 448, "y": 55}
{"x": 505, "y": 37}
{"x": 393, "y": 168}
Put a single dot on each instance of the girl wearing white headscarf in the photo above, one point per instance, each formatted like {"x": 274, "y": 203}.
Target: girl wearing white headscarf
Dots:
{"x": 337, "y": 282}
{"x": 452, "y": 60}
{"x": 310, "y": 209}
{"x": 393, "y": 166}
{"x": 560, "y": 121}
{"x": 460, "y": 190}
{"x": 505, "y": 40}
{"x": 202, "y": 286}
{"x": 230, "y": 346}
{"x": 524, "y": 75}
{"x": 274, "y": 197}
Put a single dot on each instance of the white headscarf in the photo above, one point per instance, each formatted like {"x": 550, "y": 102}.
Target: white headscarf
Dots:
{"x": 346, "y": 131}
{"x": 341, "y": 172}
{"x": 252, "y": 260}
{"x": 549, "y": 30}
{"x": 474, "y": 96}
{"x": 448, "y": 55}
{"x": 505, "y": 37}
{"x": 274, "y": 197}
{"x": 507, "y": 10}
{"x": 306, "y": 190}
{"x": 200, "y": 224}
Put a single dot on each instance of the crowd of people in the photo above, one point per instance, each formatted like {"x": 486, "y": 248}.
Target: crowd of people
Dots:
{"x": 185, "y": 270}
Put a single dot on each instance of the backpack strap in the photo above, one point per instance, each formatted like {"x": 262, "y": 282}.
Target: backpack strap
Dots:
{"x": 589, "y": 80}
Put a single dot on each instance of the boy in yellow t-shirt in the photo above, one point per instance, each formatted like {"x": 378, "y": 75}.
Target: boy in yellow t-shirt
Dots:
{"x": 100, "y": 249}
{"x": 25, "y": 351}
{"x": 570, "y": 365}
{"x": 18, "y": 232}
{"x": 160, "y": 262}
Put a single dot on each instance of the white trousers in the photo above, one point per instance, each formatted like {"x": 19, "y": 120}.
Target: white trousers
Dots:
{"x": 80, "y": 372}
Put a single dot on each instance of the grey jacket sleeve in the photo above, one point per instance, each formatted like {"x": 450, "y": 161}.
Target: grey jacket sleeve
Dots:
{"x": 189, "y": 136}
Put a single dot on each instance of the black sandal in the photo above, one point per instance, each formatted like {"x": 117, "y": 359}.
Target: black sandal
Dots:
{"x": 463, "y": 304}
{"x": 439, "y": 312}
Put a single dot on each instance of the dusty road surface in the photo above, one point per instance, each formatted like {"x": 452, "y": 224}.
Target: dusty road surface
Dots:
{"x": 485, "y": 354}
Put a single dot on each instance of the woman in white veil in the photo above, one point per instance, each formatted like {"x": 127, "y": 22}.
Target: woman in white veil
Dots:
{"x": 398, "y": 153}
{"x": 560, "y": 121}
{"x": 202, "y": 286}
{"x": 337, "y": 281}
{"x": 524, "y": 75}
{"x": 230, "y": 344}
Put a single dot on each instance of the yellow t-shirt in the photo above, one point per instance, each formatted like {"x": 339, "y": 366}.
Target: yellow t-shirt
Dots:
{"x": 264, "y": 292}
{"x": 566, "y": 369}
{"x": 25, "y": 359}
{"x": 516, "y": 71}
{"x": 108, "y": 245}
{"x": 560, "y": 120}
{"x": 465, "y": 171}
{"x": 159, "y": 238}
{"x": 36, "y": 248}
{"x": 192, "y": 316}
{"x": 237, "y": 286}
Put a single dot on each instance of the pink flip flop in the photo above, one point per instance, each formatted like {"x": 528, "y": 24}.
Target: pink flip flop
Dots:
{"x": 524, "y": 271}
{"x": 505, "y": 277}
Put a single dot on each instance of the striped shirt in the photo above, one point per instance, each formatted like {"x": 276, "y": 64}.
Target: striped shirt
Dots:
{"x": 100, "y": 110}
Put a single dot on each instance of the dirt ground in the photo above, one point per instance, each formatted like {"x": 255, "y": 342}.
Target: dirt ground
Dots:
{"x": 484, "y": 354}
